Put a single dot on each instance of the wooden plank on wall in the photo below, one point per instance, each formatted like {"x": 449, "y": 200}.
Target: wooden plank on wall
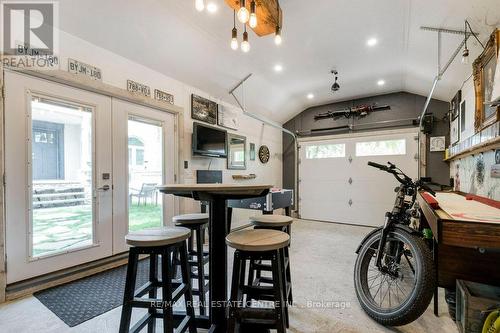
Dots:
{"x": 3, "y": 275}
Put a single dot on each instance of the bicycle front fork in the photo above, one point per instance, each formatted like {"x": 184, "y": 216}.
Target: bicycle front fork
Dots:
{"x": 383, "y": 238}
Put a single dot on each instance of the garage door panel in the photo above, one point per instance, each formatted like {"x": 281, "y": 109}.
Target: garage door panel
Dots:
{"x": 376, "y": 213}
{"x": 315, "y": 210}
{"x": 324, "y": 169}
{"x": 325, "y": 190}
{"x": 370, "y": 190}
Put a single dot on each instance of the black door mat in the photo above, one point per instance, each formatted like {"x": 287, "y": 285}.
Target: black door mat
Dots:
{"x": 78, "y": 301}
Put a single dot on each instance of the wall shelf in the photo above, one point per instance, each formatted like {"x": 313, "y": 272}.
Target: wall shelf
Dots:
{"x": 479, "y": 148}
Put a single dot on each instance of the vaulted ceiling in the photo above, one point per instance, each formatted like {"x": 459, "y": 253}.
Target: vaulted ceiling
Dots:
{"x": 171, "y": 37}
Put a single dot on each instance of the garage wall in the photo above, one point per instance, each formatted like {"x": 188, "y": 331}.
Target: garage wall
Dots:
{"x": 404, "y": 108}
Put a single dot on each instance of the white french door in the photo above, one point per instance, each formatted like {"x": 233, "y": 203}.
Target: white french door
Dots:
{"x": 58, "y": 166}
{"x": 143, "y": 157}
{"x": 81, "y": 172}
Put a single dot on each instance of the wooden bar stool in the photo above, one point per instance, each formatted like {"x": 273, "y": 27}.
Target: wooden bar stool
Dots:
{"x": 158, "y": 242}
{"x": 198, "y": 224}
{"x": 274, "y": 222}
{"x": 251, "y": 245}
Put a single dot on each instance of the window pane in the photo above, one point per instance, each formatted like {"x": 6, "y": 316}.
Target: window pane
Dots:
{"x": 325, "y": 151}
{"x": 139, "y": 157}
{"x": 61, "y": 148}
{"x": 380, "y": 148}
{"x": 145, "y": 164}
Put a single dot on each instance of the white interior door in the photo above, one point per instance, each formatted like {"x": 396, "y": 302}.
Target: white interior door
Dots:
{"x": 337, "y": 185}
{"x": 58, "y": 176}
{"x": 143, "y": 157}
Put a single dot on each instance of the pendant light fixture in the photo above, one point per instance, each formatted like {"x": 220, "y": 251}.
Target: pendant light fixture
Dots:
{"x": 245, "y": 45}
{"x": 234, "y": 34}
{"x": 199, "y": 5}
{"x": 253, "y": 15}
{"x": 467, "y": 33}
{"x": 465, "y": 53}
{"x": 277, "y": 36}
{"x": 243, "y": 14}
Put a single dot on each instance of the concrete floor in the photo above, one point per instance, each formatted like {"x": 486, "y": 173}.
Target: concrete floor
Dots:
{"x": 322, "y": 257}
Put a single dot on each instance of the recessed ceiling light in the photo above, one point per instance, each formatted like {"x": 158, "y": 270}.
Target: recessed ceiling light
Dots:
{"x": 278, "y": 68}
{"x": 310, "y": 96}
{"x": 211, "y": 7}
{"x": 372, "y": 42}
{"x": 380, "y": 82}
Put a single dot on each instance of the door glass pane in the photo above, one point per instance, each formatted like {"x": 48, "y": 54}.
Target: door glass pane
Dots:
{"x": 61, "y": 169}
{"x": 145, "y": 164}
{"x": 381, "y": 148}
{"x": 325, "y": 151}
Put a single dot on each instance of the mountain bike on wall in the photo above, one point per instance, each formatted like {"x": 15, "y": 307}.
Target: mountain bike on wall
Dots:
{"x": 394, "y": 274}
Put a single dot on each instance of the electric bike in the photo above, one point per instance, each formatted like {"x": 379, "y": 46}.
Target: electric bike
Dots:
{"x": 394, "y": 274}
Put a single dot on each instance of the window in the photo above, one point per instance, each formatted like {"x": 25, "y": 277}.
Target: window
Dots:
{"x": 139, "y": 157}
{"x": 61, "y": 176}
{"x": 135, "y": 151}
{"x": 381, "y": 148}
{"x": 325, "y": 151}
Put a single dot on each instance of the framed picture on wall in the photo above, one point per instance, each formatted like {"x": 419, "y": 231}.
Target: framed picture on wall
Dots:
{"x": 203, "y": 109}
{"x": 227, "y": 117}
{"x": 455, "y": 105}
{"x": 462, "y": 117}
{"x": 454, "y": 131}
{"x": 252, "y": 152}
{"x": 484, "y": 76}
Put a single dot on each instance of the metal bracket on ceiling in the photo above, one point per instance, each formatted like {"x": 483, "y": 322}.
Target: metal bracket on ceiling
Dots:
{"x": 272, "y": 124}
{"x": 441, "y": 70}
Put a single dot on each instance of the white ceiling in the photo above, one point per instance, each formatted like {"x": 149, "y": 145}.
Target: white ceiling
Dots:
{"x": 171, "y": 37}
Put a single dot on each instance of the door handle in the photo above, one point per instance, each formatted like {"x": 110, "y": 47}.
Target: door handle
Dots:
{"x": 103, "y": 188}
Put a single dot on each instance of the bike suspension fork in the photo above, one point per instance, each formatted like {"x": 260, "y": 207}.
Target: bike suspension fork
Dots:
{"x": 383, "y": 238}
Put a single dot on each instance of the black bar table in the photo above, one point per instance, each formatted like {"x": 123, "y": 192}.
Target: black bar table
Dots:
{"x": 219, "y": 222}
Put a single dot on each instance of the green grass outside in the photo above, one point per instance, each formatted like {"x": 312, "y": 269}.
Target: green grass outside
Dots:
{"x": 63, "y": 228}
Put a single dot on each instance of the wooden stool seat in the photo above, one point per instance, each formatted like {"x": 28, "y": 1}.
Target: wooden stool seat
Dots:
{"x": 271, "y": 220}
{"x": 157, "y": 236}
{"x": 258, "y": 240}
{"x": 198, "y": 218}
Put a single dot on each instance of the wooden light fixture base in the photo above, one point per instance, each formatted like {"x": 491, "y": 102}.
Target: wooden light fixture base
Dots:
{"x": 267, "y": 15}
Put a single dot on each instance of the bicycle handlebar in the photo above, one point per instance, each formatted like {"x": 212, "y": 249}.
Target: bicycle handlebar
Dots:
{"x": 400, "y": 176}
{"x": 378, "y": 166}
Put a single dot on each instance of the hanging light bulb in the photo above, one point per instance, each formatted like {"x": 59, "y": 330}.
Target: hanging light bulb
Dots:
{"x": 465, "y": 53}
{"x": 277, "y": 36}
{"x": 234, "y": 40}
{"x": 245, "y": 45}
{"x": 465, "y": 56}
{"x": 199, "y": 5}
{"x": 253, "y": 15}
{"x": 243, "y": 14}
{"x": 234, "y": 34}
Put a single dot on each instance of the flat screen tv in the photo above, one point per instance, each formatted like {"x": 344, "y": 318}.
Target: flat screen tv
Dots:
{"x": 209, "y": 141}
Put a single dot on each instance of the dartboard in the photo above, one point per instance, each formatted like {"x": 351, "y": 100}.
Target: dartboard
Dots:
{"x": 264, "y": 154}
